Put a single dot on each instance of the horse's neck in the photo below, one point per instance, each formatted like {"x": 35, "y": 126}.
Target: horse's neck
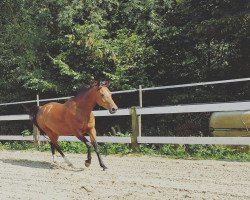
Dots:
{"x": 85, "y": 102}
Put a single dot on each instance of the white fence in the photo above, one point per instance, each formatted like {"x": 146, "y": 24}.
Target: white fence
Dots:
{"x": 212, "y": 107}
{"x": 232, "y": 106}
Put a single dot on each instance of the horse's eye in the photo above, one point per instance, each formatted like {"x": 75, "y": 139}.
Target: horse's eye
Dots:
{"x": 102, "y": 95}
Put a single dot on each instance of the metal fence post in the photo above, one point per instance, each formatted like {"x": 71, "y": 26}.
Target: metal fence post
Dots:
{"x": 135, "y": 129}
{"x": 36, "y": 132}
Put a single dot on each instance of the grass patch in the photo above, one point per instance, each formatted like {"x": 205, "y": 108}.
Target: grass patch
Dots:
{"x": 17, "y": 146}
{"x": 215, "y": 152}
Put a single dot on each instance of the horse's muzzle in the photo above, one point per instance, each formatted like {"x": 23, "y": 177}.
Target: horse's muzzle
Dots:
{"x": 112, "y": 110}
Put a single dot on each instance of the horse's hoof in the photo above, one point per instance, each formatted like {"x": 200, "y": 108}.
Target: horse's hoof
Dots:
{"x": 104, "y": 168}
{"x": 87, "y": 163}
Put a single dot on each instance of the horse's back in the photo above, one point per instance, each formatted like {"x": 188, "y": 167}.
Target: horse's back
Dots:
{"x": 52, "y": 109}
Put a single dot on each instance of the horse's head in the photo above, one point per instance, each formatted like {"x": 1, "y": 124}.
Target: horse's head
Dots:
{"x": 104, "y": 97}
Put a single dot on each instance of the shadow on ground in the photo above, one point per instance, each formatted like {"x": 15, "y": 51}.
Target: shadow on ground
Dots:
{"x": 29, "y": 163}
{"x": 38, "y": 164}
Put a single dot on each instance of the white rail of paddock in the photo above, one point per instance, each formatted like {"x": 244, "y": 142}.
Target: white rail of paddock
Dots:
{"x": 99, "y": 113}
{"x": 140, "y": 89}
{"x": 143, "y": 140}
{"x": 213, "y": 107}
{"x": 101, "y": 139}
{"x": 171, "y": 109}
{"x": 195, "y": 140}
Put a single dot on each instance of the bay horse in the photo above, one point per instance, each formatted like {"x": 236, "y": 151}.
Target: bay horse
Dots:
{"x": 75, "y": 117}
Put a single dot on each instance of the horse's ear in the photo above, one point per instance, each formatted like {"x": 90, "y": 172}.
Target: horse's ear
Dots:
{"x": 93, "y": 83}
{"x": 104, "y": 83}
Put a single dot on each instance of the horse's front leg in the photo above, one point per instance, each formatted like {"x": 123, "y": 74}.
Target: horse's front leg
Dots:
{"x": 88, "y": 145}
{"x": 92, "y": 134}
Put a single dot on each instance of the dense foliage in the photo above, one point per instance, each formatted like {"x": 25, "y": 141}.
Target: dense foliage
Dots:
{"x": 58, "y": 45}
{"x": 52, "y": 47}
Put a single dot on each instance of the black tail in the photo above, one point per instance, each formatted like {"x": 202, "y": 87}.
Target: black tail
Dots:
{"x": 32, "y": 113}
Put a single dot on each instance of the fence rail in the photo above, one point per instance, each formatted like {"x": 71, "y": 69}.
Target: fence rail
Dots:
{"x": 14, "y": 117}
{"x": 136, "y": 138}
{"x": 140, "y": 89}
{"x": 195, "y": 140}
{"x": 144, "y": 140}
{"x": 101, "y": 139}
{"x": 192, "y": 108}
{"x": 189, "y": 108}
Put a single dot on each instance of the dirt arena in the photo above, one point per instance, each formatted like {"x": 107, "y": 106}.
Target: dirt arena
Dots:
{"x": 32, "y": 176}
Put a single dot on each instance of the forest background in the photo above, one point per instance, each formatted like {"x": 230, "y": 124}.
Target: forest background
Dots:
{"x": 53, "y": 47}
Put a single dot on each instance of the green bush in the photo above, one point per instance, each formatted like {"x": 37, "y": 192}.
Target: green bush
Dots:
{"x": 114, "y": 149}
{"x": 169, "y": 150}
{"x": 147, "y": 150}
{"x": 17, "y": 146}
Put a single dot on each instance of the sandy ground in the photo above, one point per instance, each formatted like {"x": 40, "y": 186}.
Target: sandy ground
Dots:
{"x": 32, "y": 176}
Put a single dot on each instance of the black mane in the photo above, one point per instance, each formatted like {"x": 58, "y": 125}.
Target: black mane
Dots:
{"x": 84, "y": 88}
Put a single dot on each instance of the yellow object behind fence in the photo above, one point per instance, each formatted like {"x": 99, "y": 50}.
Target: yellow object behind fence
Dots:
{"x": 230, "y": 124}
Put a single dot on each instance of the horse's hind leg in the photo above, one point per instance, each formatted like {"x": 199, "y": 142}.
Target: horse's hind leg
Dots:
{"x": 52, "y": 151}
{"x": 53, "y": 142}
{"x": 57, "y": 147}
{"x": 54, "y": 145}
{"x": 88, "y": 145}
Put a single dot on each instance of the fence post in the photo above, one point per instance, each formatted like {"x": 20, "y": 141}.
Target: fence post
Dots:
{"x": 135, "y": 129}
{"x": 36, "y": 132}
{"x": 140, "y": 104}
